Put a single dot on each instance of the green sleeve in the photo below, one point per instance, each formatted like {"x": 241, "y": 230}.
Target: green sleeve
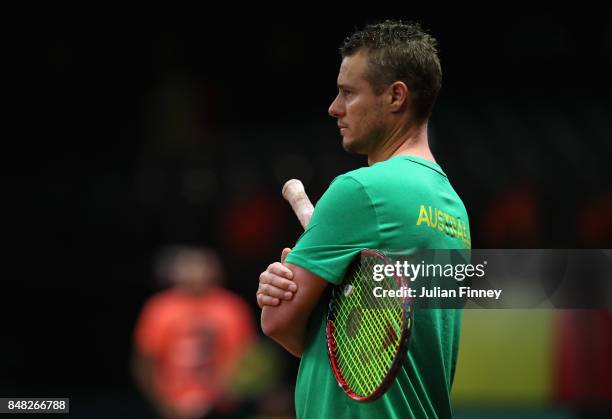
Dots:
{"x": 344, "y": 222}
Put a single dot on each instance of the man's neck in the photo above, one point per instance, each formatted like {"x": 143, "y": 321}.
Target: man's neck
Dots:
{"x": 404, "y": 141}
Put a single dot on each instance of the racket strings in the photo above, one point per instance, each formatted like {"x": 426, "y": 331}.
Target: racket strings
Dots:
{"x": 373, "y": 364}
{"x": 383, "y": 316}
{"x": 365, "y": 345}
{"x": 347, "y": 349}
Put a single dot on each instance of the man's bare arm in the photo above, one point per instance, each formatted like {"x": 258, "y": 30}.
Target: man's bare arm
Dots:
{"x": 286, "y": 323}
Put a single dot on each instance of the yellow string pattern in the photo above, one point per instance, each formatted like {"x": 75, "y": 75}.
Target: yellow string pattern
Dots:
{"x": 367, "y": 329}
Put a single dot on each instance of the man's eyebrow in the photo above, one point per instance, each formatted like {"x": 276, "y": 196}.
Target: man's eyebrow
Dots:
{"x": 344, "y": 86}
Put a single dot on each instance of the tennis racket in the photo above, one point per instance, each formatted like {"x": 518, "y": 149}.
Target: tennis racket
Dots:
{"x": 367, "y": 337}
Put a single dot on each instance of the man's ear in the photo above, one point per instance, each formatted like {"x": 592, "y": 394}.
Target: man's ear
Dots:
{"x": 399, "y": 95}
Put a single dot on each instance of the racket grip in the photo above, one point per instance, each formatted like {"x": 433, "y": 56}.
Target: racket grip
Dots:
{"x": 295, "y": 194}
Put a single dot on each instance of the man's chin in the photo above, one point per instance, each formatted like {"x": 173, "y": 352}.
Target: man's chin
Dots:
{"x": 351, "y": 146}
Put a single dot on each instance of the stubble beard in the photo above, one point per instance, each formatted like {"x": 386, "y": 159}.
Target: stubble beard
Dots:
{"x": 366, "y": 143}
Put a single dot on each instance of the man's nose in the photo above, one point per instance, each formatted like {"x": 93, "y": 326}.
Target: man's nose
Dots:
{"x": 334, "y": 109}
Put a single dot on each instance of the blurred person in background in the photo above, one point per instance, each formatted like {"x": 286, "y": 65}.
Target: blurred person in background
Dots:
{"x": 190, "y": 338}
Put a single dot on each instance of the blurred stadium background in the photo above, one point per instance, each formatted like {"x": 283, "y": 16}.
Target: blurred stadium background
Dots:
{"x": 131, "y": 136}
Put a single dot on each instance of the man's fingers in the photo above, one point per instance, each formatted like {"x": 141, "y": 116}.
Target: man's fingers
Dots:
{"x": 272, "y": 291}
{"x": 264, "y": 300}
{"x": 277, "y": 281}
{"x": 275, "y": 284}
{"x": 279, "y": 269}
{"x": 286, "y": 252}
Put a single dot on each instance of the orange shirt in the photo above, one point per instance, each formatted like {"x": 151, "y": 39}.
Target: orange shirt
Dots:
{"x": 195, "y": 342}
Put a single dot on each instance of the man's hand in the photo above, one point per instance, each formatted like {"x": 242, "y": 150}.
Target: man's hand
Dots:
{"x": 276, "y": 283}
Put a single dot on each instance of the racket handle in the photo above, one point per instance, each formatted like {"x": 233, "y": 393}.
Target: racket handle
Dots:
{"x": 295, "y": 194}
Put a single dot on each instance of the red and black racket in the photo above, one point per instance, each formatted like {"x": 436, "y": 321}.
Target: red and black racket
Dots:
{"x": 367, "y": 335}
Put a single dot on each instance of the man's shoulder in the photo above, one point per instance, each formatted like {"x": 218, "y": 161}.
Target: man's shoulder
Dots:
{"x": 387, "y": 174}
{"x": 358, "y": 178}
{"x": 163, "y": 298}
{"x": 364, "y": 173}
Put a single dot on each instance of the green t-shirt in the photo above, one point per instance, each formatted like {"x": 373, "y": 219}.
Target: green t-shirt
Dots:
{"x": 402, "y": 203}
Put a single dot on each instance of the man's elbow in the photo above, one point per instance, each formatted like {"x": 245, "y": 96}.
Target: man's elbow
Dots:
{"x": 282, "y": 331}
{"x": 271, "y": 325}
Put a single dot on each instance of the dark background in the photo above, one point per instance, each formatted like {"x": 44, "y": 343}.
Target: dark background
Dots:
{"x": 129, "y": 134}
